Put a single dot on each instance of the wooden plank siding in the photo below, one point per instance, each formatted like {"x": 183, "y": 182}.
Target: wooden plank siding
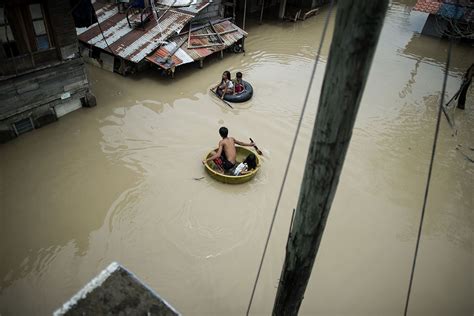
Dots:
{"x": 61, "y": 22}
{"x": 25, "y": 63}
{"x": 26, "y": 92}
{"x": 36, "y": 81}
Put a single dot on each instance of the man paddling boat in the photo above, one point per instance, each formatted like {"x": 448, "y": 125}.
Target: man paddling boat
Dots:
{"x": 226, "y": 152}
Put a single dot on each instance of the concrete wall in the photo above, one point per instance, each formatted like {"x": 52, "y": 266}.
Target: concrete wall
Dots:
{"x": 213, "y": 11}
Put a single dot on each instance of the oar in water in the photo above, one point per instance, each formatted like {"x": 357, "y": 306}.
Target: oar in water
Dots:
{"x": 256, "y": 148}
{"x": 227, "y": 103}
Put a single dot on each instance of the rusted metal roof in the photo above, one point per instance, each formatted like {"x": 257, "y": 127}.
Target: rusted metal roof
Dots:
{"x": 428, "y": 6}
{"x": 185, "y": 54}
{"x": 113, "y": 33}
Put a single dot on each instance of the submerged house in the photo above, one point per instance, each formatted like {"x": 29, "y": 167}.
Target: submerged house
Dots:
{"x": 42, "y": 76}
{"x": 448, "y": 18}
{"x": 130, "y": 37}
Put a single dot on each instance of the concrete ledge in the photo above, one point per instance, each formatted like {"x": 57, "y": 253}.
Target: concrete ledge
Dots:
{"x": 116, "y": 291}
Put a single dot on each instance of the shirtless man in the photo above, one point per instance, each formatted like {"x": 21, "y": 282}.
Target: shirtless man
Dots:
{"x": 227, "y": 152}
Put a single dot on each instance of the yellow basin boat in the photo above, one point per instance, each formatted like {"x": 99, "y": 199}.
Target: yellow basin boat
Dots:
{"x": 242, "y": 153}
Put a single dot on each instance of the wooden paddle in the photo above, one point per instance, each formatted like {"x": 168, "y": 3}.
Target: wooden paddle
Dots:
{"x": 256, "y": 148}
{"x": 215, "y": 93}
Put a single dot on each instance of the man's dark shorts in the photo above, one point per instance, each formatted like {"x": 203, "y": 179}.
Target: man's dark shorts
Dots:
{"x": 224, "y": 163}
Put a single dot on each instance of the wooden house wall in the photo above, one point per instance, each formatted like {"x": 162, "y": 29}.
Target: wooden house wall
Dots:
{"x": 32, "y": 85}
{"x": 64, "y": 30}
{"x": 23, "y": 93}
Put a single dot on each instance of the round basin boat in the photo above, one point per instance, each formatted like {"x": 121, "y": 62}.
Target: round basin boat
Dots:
{"x": 242, "y": 153}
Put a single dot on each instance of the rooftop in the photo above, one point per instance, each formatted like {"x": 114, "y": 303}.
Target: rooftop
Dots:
{"x": 113, "y": 33}
{"x": 198, "y": 44}
{"x": 461, "y": 10}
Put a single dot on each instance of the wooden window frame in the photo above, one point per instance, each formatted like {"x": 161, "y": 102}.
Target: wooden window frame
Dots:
{"x": 32, "y": 33}
{"x": 24, "y": 26}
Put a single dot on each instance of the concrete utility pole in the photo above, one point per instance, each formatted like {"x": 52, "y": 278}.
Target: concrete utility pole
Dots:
{"x": 357, "y": 29}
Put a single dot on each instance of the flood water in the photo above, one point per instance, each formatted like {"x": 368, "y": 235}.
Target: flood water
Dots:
{"x": 115, "y": 183}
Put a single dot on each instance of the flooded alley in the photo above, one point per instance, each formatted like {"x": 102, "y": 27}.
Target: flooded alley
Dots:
{"x": 116, "y": 183}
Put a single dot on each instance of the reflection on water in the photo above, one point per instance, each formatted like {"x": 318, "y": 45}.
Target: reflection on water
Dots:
{"x": 407, "y": 89}
{"x": 116, "y": 183}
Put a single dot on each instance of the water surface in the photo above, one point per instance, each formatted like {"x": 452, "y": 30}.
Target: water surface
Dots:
{"x": 115, "y": 183}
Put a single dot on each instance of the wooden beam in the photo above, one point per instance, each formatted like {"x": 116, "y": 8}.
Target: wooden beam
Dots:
{"x": 210, "y": 34}
{"x": 233, "y": 10}
{"x": 243, "y": 25}
{"x": 281, "y": 12}
{"x": 205, "y": 25}
{"x": 204, "y": 46}
{"x": 222, "y": 42}
{"x": 309, "y": 14}
{"x": 189, "y": 33}
{"x": 245, "y": 13}
{"x": 217, "y": 34}
{"x": 357, "y": 29}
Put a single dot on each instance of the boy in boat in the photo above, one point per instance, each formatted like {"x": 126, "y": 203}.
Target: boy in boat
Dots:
{"x": 238, "y": 83}
{"x": 226, "y": 153}
{"x": 226, "y": 86}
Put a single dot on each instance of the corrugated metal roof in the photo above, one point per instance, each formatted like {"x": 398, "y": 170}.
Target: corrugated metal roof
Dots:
{"x": 186, "y": 55}
{"x": 114, "y": 35}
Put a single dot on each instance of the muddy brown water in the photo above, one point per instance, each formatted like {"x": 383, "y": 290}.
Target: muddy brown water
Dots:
{"x": 115, "y": 183}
